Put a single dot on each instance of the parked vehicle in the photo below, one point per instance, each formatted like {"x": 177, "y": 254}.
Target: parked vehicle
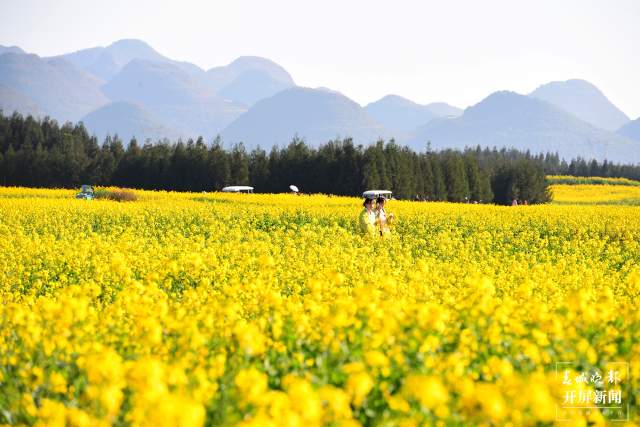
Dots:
{"x": 86, "y": 192}
{"x": 238, "y": 189}
{"x": 374, "y": 194}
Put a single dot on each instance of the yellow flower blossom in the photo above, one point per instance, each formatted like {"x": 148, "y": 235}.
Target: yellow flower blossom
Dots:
{"x": 202, "y": 309}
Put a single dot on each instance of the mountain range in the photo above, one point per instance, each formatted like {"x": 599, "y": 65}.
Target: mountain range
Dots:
{"x": 584, "y": 101}
{"x": 317, "y": 115}
{"x": 631, "y": 130}
{"x": 403, "y": 115}
{"x": 130, "y": 119}
{"x": 55, "y": 86}
{"x": 507, "y": 119}
{"x": 129, "y": 89}
{"x": 10, "y": 49}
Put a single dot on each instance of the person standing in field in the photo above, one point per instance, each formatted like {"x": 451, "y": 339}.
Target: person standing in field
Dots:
{"x": 367, "y": 218}
{"x": 382, "y": 220}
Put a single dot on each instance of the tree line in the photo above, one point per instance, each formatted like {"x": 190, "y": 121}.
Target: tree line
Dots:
{"x": 42, "y": 153}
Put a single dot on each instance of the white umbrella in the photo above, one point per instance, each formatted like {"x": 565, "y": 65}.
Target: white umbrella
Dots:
{"x": 294, "y": 188}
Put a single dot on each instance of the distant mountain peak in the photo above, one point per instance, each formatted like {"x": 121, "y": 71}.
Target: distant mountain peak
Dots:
{"x": 504, "y": 94}
{"x": 11, "y": 49}
{"x": 396, "y": 98}
{"x": 584, "y": 100}
{"x": 499, "y": 96}
{"x": 571, "y": 84}
{"x": 308, "y": 92}
{"x": 248, "y": 79}
{"x": 150, "y": 82}
{"x": 244, "y": 63}
{"x": 508, "y": 119}
{"x": 251, "y": 60}
{"x": 106, "y": 62}
{"x": 30, "y": 58}
{"x": 126, "y": 50}
{"x": 404, "y": 115}
{"x": 252, "y": 85}
{"x": 631, "y": 130}
{"x": 127, "y": 120}
{"x": 57, "y": 87}
{"x": 575, "y": 82}
{"x": 315, "y": 115}
{"x": 131, "y": 43}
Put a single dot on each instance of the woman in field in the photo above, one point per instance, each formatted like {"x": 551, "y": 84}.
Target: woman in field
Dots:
{"x": 367, "y": 218}
{"x": 382, "y": 220}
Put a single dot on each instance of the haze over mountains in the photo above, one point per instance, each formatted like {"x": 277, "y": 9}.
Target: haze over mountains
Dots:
{"x": 10, "y": 49}
{"x": 179, "y": 99}
{"x": 401, "y": 114}
{"x": 249, "y": 79}
{"x": 129, "y": 119}
{"x": 519, "y": 121}
{"x": 55, "y": 86}
{"x": 316, "y": 115}
{"x": 12, "y": 100}
{"x": 631, "y": 130}
{"x": 583, "y": 100}
{"x": 106, "y": 62}
{"x": 129, "y": 89}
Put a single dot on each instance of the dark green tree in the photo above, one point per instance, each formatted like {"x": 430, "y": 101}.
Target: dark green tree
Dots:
{"x": 219, "y": 166}
{"x": 259, "y": 173}
{"x": 455, "y": 177}
{"x": 239, "y": 163}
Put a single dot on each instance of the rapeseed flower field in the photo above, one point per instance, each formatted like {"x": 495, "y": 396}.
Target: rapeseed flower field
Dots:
{"x": 187, "y": 309}
{"x": 594, "y": 194}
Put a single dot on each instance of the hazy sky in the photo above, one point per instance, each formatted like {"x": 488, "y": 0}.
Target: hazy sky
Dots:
{"x": 453, "y": 51}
